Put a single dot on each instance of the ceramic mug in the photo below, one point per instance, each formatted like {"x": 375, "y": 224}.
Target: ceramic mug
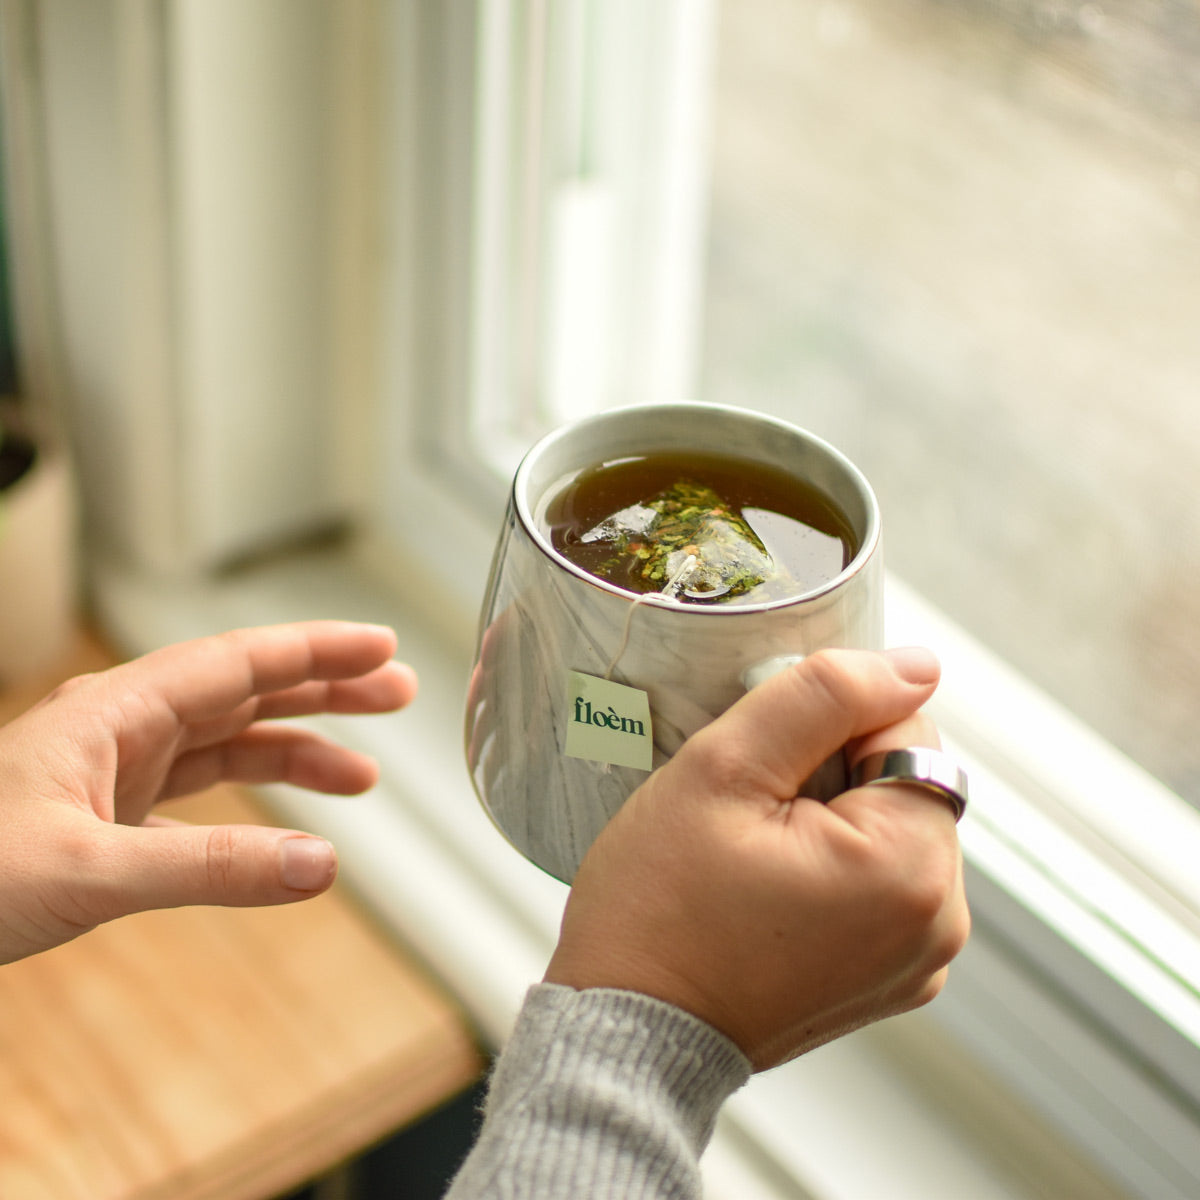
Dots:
{"x": 580, "y": 688}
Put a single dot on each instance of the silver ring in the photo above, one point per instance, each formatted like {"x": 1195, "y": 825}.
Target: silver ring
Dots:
{"x": 917, "y": 766}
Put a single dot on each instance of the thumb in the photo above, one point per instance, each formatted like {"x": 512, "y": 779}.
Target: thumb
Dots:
{"x": 232, "y": 865}
{"x": 780, "y": 732}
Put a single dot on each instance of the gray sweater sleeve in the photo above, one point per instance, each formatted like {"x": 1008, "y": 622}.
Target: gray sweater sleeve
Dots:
{"x": 600, "y": 1093}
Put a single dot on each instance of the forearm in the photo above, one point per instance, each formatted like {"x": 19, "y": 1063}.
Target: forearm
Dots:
{"x": 600, "y": 1093}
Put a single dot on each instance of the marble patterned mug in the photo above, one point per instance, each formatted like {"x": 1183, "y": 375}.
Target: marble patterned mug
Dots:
{"x": 580, "y": 688}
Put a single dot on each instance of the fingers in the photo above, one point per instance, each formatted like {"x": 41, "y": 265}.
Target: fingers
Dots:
{"x": 232, "y": 865}
{"x": 206, "y": 678}
{"x": 777, "y": 735}
{"x": 385, "y": 689}
{"x": 264, "y": 754}
{"x": 863, "y": 803}
{"x": 917, "y": 730}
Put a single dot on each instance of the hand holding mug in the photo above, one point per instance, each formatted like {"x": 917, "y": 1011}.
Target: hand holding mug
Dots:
{"x": 781, "y": 921}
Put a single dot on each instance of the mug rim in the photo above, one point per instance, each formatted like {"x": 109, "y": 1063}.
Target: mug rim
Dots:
{"x": 866, "y": 550}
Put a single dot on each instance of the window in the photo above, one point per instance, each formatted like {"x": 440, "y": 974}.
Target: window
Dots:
{"x": 960, "y": 240}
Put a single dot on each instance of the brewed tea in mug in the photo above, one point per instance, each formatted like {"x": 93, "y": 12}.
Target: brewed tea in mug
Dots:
{"x": 653, "y": 563}
{"x": 700, "y": 528}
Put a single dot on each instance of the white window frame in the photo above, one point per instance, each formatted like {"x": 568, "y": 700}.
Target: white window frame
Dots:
{"x": 1080, "y": 981}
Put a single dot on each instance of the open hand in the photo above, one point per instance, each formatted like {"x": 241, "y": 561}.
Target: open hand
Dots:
{"x": 81, "y": 772}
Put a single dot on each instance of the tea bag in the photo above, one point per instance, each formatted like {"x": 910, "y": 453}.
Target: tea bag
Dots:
{"x": 685, "y": 541}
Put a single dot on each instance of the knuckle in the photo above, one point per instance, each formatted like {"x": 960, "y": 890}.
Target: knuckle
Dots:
{"x": 926, "y": 991}
{"x": 924, "y": 896}
{"x": 838, "y": 678}
{"x": 717, "y": 760}
{"x": 82, "y": 890}
{"x": 920, "y": 900}
{"x": 937, "y": 926}
{"x": 221, "y": 856}
{"x": 70, "y": 688}
{"x": 954, "y": 935}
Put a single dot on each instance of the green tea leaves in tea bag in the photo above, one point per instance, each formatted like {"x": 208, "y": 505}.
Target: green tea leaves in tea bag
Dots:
{"x": 698, "y": 528}
{"x": 685, "y": 541}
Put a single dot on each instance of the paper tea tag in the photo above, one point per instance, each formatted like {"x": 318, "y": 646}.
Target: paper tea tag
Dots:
{"x": 608, "y": 722}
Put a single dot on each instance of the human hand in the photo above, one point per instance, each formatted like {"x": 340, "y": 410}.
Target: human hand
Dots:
{"x": 81, "y": 772}
{"x": 781, "y": 921}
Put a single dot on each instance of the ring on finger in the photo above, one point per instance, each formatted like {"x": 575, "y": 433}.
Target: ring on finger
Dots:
{"x": 916, "y": 766}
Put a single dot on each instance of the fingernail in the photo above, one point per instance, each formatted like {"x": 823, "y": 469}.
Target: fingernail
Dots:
{"x": 306, "y": 864}
{"x": 915, "y": 664}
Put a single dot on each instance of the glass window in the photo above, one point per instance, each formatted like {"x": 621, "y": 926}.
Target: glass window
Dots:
{"x": 960, "y": 241}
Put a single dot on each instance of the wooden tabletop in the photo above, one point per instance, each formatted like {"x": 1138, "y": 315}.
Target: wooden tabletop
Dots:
{"x": 214, "y": 1053}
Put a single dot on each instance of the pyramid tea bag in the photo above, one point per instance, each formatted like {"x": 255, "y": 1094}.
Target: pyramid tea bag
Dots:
{"x": 701, "y": 529}
{"x": 685, "y": 541}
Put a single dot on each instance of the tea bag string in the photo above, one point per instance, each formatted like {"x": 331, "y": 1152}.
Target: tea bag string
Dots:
{"x": 666, "y": 596}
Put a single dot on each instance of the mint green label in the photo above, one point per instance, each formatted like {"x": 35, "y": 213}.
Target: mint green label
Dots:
{"x": 607, "y": 722}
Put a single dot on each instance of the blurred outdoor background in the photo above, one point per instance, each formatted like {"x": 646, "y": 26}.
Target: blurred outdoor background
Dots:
{"x": 978, "y": 274}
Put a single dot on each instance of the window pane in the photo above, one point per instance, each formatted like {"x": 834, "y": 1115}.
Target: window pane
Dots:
{"x": 960, "y": 241}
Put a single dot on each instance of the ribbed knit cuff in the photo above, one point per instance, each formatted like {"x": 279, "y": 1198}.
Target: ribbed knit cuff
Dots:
{"x": 601, "y": 1093}
{"x": 647, "y": 1045}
